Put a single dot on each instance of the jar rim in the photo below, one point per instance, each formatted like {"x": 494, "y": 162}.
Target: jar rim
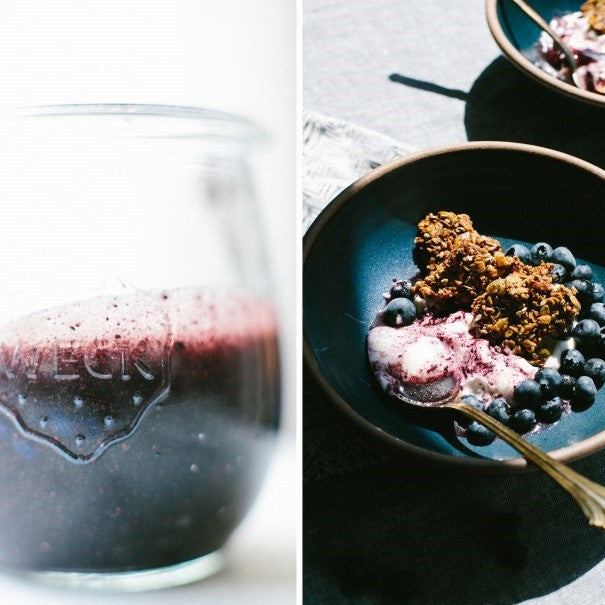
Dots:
{"x": 209, "y": 122}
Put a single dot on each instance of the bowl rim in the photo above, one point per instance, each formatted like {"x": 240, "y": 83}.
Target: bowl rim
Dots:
{"x": 569, "y": 453}
{"x": 525, "y": 65}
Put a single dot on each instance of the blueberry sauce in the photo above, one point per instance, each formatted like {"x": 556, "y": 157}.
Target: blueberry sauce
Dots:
{"x": 134, "y": 430}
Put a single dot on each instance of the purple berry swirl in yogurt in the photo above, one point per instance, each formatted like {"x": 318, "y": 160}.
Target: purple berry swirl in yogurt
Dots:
{"x": 438, "y": 350}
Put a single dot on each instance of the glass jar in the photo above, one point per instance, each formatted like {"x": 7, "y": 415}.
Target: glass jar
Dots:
{"x": 138, "y": 347}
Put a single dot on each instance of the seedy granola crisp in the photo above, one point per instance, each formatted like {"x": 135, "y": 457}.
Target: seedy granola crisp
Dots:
{"x": 462, "y": 275}
{"x": 594, "y": 11}
{"x": 439, "y": 233}
{"x": 515, "y": 305}
{"x": 522, "y": 310}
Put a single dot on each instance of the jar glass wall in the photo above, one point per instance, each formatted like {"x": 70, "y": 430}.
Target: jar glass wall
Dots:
{"x": 138, "y": 346}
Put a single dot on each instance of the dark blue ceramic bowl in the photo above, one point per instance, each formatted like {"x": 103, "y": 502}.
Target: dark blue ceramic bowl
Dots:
{"x": 364, "y": 238}
{"x": 516, "y": 34}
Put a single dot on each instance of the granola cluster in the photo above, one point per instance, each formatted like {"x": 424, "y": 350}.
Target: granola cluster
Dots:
{"x": 520, "y": 311}
{"x": 439, "y": 233}
{"x": 462, "y": 275}
{"x": 594, "y": 11}
{"x": 515, "y": 305}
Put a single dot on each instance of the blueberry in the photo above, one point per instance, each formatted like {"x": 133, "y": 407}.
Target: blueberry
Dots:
{"x": 586, "y": 333}
{"x": 521, "y": 252}
{"x": 597, "y": 312}
{"x": 582, "y": 272}
{"x": 597, "y": 293}
{"x": 559, "y": 273}
{"x": 541, "y": 252}
{"x": 498, "y": 409}
{"x": 595, "y": 368}
{"x": 564, "y": 257}
{"x": 523, "y": 421}
{"x": 528, "y": 393}
{"x": 464, "y": 420}
{"x": 572, "y": 362}
{"x": 584, "y": 394}
{"x": 473, "y": 400}
{"x": 477, "y": 434}
{"x": 399, "y": 312}
{"x": 583, "y": 289}
{"x": 567, "y": 386}
{"x": 401, "y": 289}
{"x": 549, "y": 380}
{"x": 550, "y": 411}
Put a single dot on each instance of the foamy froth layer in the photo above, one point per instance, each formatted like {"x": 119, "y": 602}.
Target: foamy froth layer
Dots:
{"x": 196, "y": 315}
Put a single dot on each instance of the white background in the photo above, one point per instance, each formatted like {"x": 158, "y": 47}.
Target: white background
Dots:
{"x": 232, "y": 55}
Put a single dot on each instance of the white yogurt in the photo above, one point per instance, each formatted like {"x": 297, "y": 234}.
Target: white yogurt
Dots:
{"x": 432, "y": 348}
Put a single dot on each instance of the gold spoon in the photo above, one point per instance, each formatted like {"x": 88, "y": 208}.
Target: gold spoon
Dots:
{"x": 589, "y": 496}
{"x": 541, "y": 23}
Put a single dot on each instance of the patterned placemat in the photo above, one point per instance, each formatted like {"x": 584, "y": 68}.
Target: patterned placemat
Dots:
{"x": 335, "y": 154}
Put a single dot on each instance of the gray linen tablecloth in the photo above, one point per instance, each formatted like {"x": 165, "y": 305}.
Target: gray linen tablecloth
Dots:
{"x": 380, "y": 528}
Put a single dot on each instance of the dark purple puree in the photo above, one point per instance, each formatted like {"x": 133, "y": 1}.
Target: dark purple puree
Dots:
{"x": 135, "y": 430}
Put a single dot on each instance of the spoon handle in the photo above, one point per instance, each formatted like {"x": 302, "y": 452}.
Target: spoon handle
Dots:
{"x": 589, "y": 496}
{"x": 541, "y": 23}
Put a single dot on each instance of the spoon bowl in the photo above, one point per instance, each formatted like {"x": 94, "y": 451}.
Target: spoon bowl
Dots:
{"x": 432, "y": 394}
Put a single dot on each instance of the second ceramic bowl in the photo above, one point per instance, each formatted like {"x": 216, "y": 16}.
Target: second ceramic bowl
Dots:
{"x": 516, "y": 34}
